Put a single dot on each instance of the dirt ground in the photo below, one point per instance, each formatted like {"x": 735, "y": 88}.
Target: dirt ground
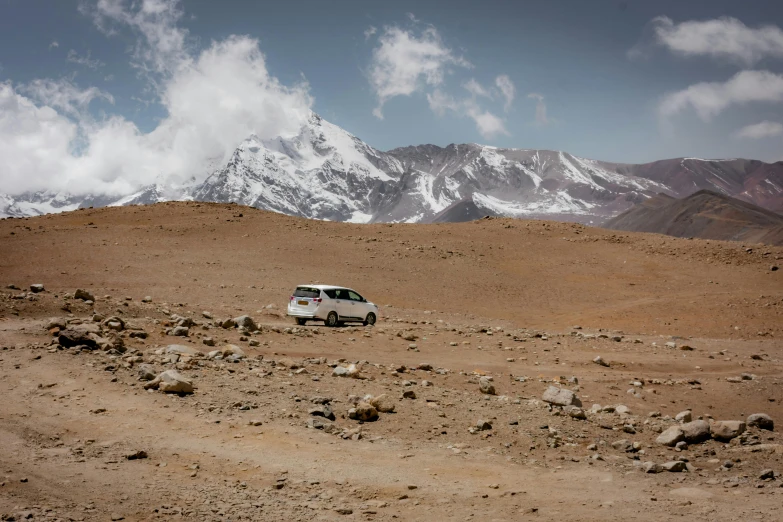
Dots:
{"x": 528, "y": 303}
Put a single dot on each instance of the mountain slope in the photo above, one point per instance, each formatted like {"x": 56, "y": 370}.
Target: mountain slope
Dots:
{"x": 324, "y": 172}
{"x": 704, "y": 214}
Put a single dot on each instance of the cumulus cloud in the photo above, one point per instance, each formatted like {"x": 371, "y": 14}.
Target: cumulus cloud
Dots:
{"x": 85, "y": 61}
{"x": 541, "y": 116}
{"x": 723, "y": 38}
{"x": 54, "y": 44}
{"x": 405, "y": 61}
{"x": 764, "y": 129}
{"x": 488, "y": 124}
{"x": 369, "y": 32}
{"x": 213, "y": 99}
{"x": 507, "y": 89}
{"x": 711, "y": 98}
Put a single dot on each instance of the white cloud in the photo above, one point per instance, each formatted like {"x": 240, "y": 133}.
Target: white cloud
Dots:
{"x": 507, "y": 88}
{"x": 86, "y": 61}
{"x": 476, "y": 89}
{"x": 726, "y": 38}
{"x": 541, "y": 116}
{"x": 404, "y": 62}
{"x": 369, "y": 32}
{"x": 764, "y": 129}
{"x": 54, "y": 44}
{"x": 488, "y": 124}
{"x": 213, "y": 100}
{"x": 711, "y": 98}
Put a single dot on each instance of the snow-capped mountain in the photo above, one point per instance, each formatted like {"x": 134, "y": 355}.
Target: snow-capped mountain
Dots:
{"x": 325, "y": 172}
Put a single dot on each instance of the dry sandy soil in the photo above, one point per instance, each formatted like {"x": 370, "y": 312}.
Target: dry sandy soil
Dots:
{"x": 528, "y": 303}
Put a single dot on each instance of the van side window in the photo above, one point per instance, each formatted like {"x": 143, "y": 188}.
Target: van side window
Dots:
{"x": 330, "y": 294}
{"x": 353, "y": 296}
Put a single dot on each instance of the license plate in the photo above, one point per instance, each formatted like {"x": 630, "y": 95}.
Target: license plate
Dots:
{"x": 303, "y": 303}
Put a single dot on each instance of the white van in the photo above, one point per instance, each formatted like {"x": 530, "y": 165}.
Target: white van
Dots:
{"x": 331, "y": 304}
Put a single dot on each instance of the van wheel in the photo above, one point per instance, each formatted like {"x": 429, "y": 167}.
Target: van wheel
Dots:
{"x": 369, "y": 320}
{"x": 331, "y": 319}
{"x": 300, "y": 321}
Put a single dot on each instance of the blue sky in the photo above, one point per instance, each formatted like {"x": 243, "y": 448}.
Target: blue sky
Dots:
{"x": 629, "y": 81}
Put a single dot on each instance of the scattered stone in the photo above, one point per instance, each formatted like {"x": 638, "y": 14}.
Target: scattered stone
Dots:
{"x": 323, "y": 410}
{"x": 83, "y": 295}
{"x": 71, "y": 337}
{"x": 671, "y": 436}
{"x": 652, "y": 467}
{"x": 486, "y": 386}
{"x": 674, "y": 466}
{"x": 600, "y": 361}
{"x": 141, "y": 454}
{"x": 560, "y": 397}
{"x": 384, "y": 403}
{"x": 346, "y": 371}
{"x": 209, "y": 341}
{"x": 36, "y": 288}
{"x": 245, "y": 321}
{"x": 170, "y": 381}
{"x": 622, "y": 409}
{"x": 767, "y": 474}
{"x": 363, "y": 411}
{"x": 695, "y": 431}
{"x": 761, "y": 421}
{"x": 727, "y": 430}
{"x": 181, "y": 349}
{"x": 483, "y": 425}
{"x": 684, "y": 416}
{"x": 146, "y": 372}
{"x": 409, "y": 394}
{"x": 232, "y": 350}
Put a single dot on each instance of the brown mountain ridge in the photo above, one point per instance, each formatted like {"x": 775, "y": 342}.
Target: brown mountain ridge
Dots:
{"x": 703, "y": 214}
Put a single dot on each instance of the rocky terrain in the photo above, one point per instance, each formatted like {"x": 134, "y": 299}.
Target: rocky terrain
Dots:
{"x": 519, "y": 370}
{"x": 703, "y": 214}
{"x": 324, "y": 172}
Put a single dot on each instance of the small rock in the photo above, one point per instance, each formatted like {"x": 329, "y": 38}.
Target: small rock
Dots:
{"x": 483, "y": 425}
{"x": 684, "y": 416}
{"x": 364, "y": 412}
{"x": 179, "y": 331}
{"x": 208, "y": 341}
{"x": 36, "y": 288}
{"x": 652, "y": 467}
{"x": 767, "y": 474}
{"x": 245, "y": 321}
{"x": 486, "y": 386}
{"x": 141, "y": 454}
{"x": 409, "y": 394}
{"x": 622, "y": 409}
{"x": 146, "y": 372}
{"x": 671, "y": 436}
{"x": 726, "y": 430}
{"x": 600, "y": 361}
{"x": 83, "y": 295}
{"x": 695, "y": 431}
{"x": 181, "y": 349}
{"x": 170, "y": 381}
{"x": 560, "y": 397}
{"x": 575, "y": 412}
{"x": 674, "y": 466}
{"x": 383, "y": 403}
{"x": 761, "y": 421}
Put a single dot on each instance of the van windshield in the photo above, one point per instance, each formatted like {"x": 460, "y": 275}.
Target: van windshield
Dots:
{"x": 306, "y": 291}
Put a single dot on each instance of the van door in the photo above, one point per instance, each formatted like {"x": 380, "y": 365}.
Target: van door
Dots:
{"x": 343, "y": 303}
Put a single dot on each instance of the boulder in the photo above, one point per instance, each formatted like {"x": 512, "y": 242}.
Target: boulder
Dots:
{"x": 83, "y": 295}
{"x": 383, "y": 403}
{"x": 727, "y": 430}
{"x": 170, "y": 381}
{"x": 71, "y": 337}
{"x": 684, "y": 416}
{"x": 761, "y": 421}
{"x": 486, "y": 386}
{"x": 37, "y": 288}
{"x": 181, "y": 349}
{"x": 671, "y": 436}
{"x": 245, "y": 321}
{"x": 363, "y": 411}
{"x": 695, "y": 431}
{"x": 560, "y": 397}
{"x": 675, "y": 466}
{"x": 232, "y": 349}
{"x": 146, "y": 372}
